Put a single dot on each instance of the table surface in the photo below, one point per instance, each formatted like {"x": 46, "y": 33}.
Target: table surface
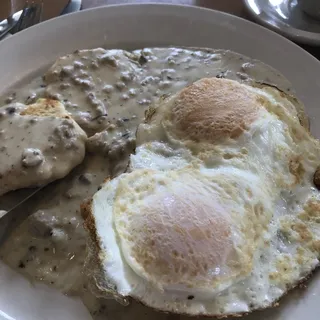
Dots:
{"x": 51, "y": 8}
{"x": 235, "y": 7}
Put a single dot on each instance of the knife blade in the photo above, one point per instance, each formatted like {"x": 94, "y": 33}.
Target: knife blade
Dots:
{"x": 30, "y": 193}
{"x": 19, "y": 212}
{"x": 8, "y": 24}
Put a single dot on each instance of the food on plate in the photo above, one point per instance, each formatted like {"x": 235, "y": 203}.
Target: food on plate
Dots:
{"x": 218, "y": 213}
{"x": 94, "y": 82}
{"x": 106, "y": 92}
{"x": 39, "y": 144}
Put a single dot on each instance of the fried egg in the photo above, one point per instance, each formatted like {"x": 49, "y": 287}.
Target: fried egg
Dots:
{"x": 218, "y": 214}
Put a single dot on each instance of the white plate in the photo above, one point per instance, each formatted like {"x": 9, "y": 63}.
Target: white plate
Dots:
{"x": 135, "y": 26}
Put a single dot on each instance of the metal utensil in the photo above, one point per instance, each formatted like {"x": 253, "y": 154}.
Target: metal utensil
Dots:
{"x": 31, "y": 193}
{"x": 8, "y": 24}
{"x": 14, "y": 216}
{"x": 25, "y": 202}
{"x": 30, "y": 15}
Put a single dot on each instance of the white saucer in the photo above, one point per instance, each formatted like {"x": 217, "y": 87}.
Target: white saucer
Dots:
{"x": 73, "y": 6}
{"x": 286, "y": 18}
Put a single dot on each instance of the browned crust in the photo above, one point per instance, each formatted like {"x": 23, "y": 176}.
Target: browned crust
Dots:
{"x": 213, "y": 109}
{"x": 45, "y": 108}
{"x": 302, "y": 284}
{"x": 89, "y": 221}
{"x": 85, "y": 209}
{"x": 95, "y": 254}
{"x": 296, "y": 168}
{"x": 316, "y": 178}
{"x": 106, "y": 180}
{"x": 303, "y": 118}
{"x": 149, "y": 113}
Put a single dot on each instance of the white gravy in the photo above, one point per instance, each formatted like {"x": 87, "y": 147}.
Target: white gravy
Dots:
{"x": 36, "y": 150}
{"x": 107, "y": 93}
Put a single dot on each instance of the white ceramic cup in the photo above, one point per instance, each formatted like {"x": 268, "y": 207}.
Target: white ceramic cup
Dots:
{"x": 311, "y": 7}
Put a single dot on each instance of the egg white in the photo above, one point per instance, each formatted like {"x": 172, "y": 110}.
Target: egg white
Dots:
{"x": 275, "y": 158}
{"x": 124, "y": 272}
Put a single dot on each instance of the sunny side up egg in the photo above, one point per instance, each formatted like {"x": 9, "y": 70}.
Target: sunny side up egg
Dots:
{"x": 217, "y": 214}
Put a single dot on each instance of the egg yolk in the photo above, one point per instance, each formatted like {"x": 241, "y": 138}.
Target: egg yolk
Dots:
{"x": 181, "y": 240}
